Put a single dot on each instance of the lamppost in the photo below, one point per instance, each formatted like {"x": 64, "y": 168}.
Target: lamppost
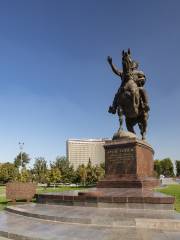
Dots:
{"x": 21, "y": 145}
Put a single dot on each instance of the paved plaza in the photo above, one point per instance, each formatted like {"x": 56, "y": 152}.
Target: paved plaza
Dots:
{"x": 59, "y": 222}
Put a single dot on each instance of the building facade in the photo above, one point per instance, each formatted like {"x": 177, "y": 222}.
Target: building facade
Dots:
{"x": 80, "y": 151}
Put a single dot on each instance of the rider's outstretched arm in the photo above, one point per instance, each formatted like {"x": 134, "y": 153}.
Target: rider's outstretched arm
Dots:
{"x": 115, "y": 70}
{"x": 113, "y": 67}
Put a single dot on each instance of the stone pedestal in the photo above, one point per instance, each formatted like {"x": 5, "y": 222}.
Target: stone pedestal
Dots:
{"x": 128, "y": 181}
{"x": 128, "y": 164}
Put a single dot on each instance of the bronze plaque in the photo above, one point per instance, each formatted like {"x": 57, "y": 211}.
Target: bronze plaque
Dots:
{"x": 120, "y": 160}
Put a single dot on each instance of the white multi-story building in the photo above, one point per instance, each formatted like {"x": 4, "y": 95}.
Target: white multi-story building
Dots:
{"x": 80, "y": 151}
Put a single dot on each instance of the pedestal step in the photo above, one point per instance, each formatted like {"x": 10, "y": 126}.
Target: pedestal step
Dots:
{"x": 111, "y": 197}
{"x": 104, "y": 217}
{"x": 121, "y": 183}
{"x": 29, "y": 222}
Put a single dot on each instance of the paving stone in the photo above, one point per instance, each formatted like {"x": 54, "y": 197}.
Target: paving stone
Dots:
{"x": 39, "y": 229}
{"x": 172, "y": 235}
{"x": 80, "y": 223}
{"x": 58, "y": 212}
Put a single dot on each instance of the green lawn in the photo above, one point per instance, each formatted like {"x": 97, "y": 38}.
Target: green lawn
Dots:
{"x": 2, "y": 190}
{"x": 3, "y": 202}
{"x": 173, "y": 190}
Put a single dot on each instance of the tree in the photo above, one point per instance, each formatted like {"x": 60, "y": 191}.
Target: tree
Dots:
{"x": 178, "y": 168}
{"x": 40, "y": 170}
{"x": 157, "y": 167}
{"x": 88, "y": 175}
{"x": 102, "y": 165}
{"x": 54, "y": 175}
{"x": 25, "y": 175}
{"x": 8, "y": 172}
{"x": 91, "y": 173}
{"x": 25, "y": 160}
{"x": 82, "y": 174}
{"x": 94, "y": 173}
{"x": 100, "y": 172}
{"x": 167, "y": 167}
{"x": 67, "y": 171}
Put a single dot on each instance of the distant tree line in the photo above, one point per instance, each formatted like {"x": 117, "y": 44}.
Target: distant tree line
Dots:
{"x": 165, "y": 167}
{"x": 58, "y": 171}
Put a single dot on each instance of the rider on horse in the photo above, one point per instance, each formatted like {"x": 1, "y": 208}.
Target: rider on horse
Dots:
{"x": 137, "y": 76}
{"x": 131, "y": 98}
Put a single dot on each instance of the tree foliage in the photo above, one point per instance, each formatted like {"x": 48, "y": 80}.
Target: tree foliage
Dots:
{"x": 178, "y": 168}
{"x": 81, "y": 174}
{"x": 157, "y": 167}
{"x": 67, "y": 171}
{"x": 8, "y": 172}
{"x": 167, "y": 167}
{"x": 164, "y": 167}
{"x": 100, "y": 172}
{"x": 59, "y": 171}
{"x": 25, "y": 160}
{"x": 89, "y": 175}
{"x": 25, "y": 175}
{"x": 40, "y": 170}
{"x": 54, "y": 175}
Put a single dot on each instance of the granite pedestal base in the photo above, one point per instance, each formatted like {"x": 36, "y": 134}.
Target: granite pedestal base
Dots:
{"x": 128, "y": 164}
{"x": 110, "y": 197}
{"x": 128, "y": 181}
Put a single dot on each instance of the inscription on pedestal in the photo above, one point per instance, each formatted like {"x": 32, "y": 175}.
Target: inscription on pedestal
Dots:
{"x": 128, "y": 164}
{"x": 120, "y": 160}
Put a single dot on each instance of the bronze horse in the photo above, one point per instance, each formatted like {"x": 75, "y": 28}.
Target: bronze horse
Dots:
{"x": 131, "y": 98}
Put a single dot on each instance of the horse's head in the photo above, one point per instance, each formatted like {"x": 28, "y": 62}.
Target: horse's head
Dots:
{"x": 135, "y": 65}
{"x": 126, "y": 61}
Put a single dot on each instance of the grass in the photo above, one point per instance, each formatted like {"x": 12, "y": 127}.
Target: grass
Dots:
{"x": 3, "y": 202}
{"x": 173, "y": 190}
{"x": 2, "y": 190}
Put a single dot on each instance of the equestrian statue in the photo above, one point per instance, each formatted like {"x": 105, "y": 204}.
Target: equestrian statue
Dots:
{"x": 131, "y": 98}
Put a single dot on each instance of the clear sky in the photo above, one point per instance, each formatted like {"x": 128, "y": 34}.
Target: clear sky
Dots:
{"x": 55, "y": 82}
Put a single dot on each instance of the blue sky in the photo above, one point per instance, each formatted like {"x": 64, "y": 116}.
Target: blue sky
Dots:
{"x": 55, "y": 82}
